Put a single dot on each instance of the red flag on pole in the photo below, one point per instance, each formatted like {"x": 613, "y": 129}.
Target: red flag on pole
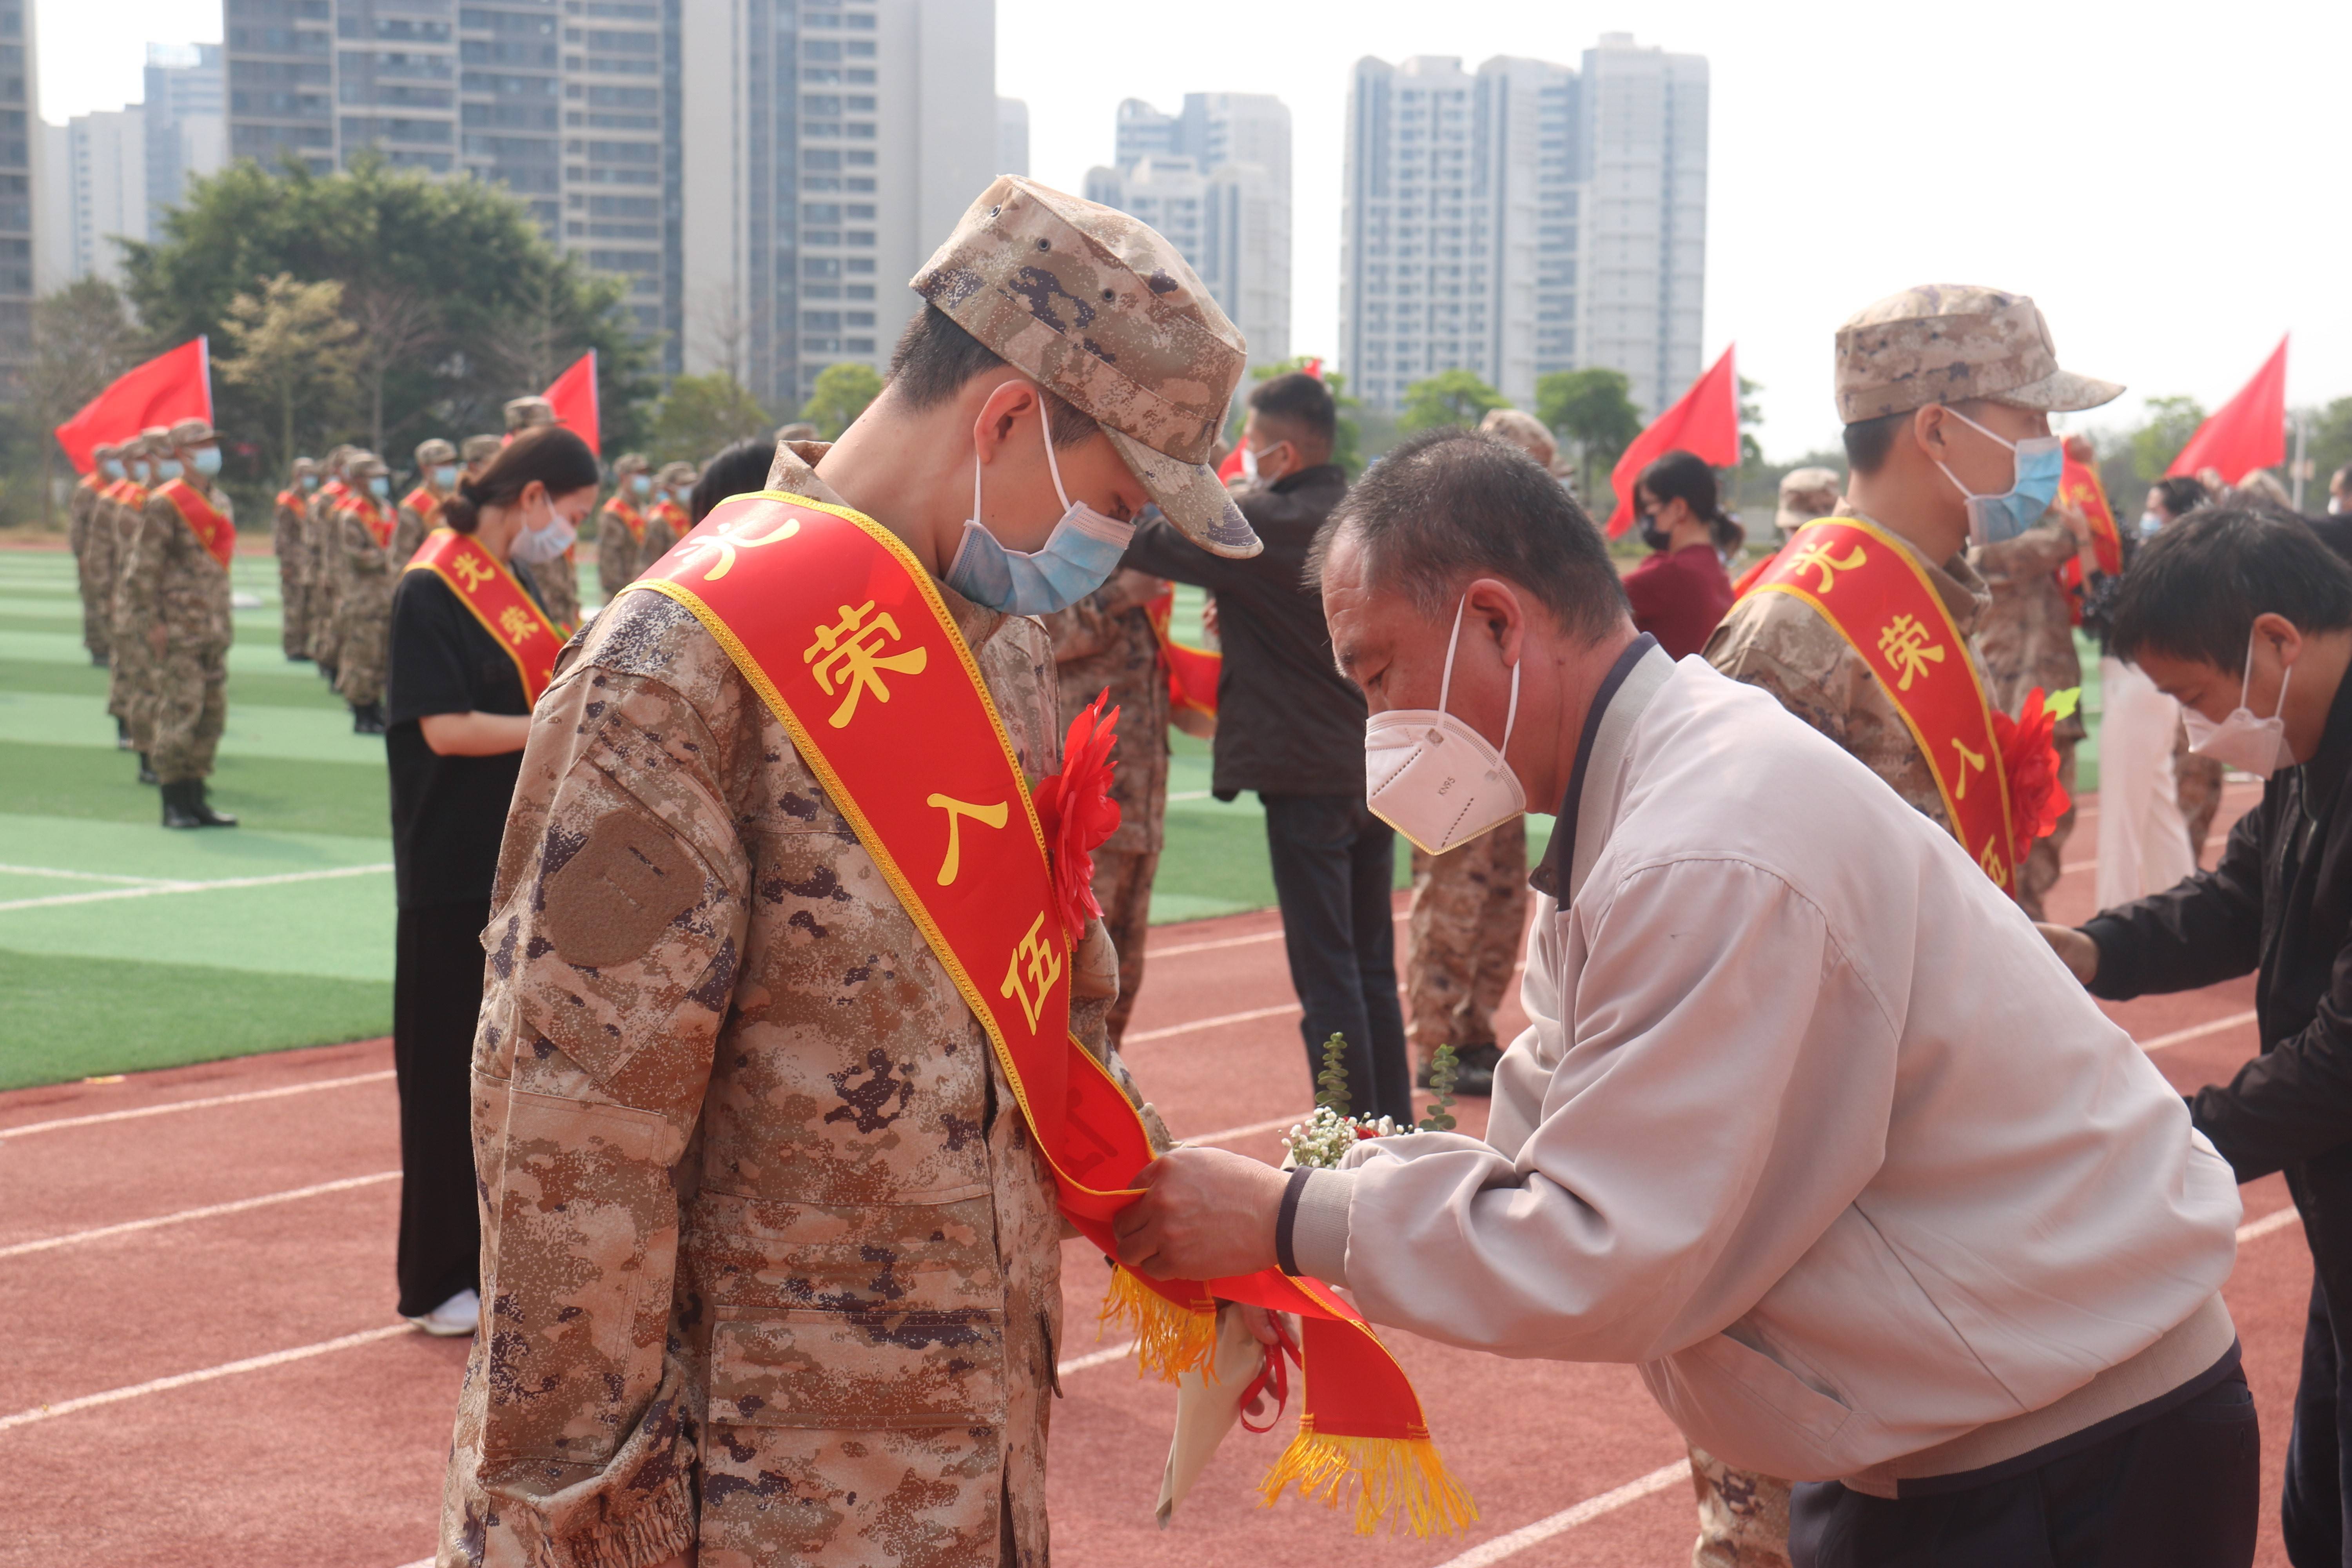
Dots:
{"x": 171, "y": 387}
{"x": 2246, "y": 433}
{"x": 1706, "y": 424}
{"x": 573, "y": 395}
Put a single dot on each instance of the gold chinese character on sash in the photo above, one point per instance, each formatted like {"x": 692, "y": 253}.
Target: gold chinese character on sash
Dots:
{"x": 746, "y": 530}
{"x": 1815, "y": 553}
{"x": 1904, "y": 644}
{"x": 956, "y": 810}
{"x": 1034, "y": 968}
{"x": 516, "y": 622}
{"x": 474, "y": 573}
{"x": 1968, "y": 761}
{"x": 1995, "y": 865}
{"x": 849, "y": 657}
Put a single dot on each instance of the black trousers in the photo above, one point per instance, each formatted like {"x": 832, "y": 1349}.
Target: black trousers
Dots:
{"x": 1334, "y": 864}
{"x": 436, "y": 990}
{"x": 2179, "y": 1491}
{"x": 2312, "y": 1511}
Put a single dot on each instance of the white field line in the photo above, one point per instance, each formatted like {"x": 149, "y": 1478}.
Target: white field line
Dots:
{"x": 93, "y": 876}
{"x": 2196, "y": 1032}
{"x": 2277, "y": 1220}
{"x": 1293, "y": 1120}
{"x": 205, "y": 1103}
{"x": 1568, "y": 1519}
{"x": 281, "y": 877}
{"x": 1103, "y": 1357}
{"x": 206, "y": 1374}
{"x": 1172, "y": 1030}
{"x": 76, "y": 1237}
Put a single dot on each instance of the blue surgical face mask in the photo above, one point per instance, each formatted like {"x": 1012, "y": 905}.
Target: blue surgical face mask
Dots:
{"x": 168, "y": 469}
{"x": 140, "y": 472}
{"x": 444, "y": 477}
{"x": 310, "y": 481}
{"x": 2150, "y": 525}
{"x": 2040, "y": 461}
{"x": 1079, "y": 556}
{"x": 380, "y": 487}
{"x": 641, "y": 485}
{"x": 207, "y": 460}
{"x": 112, "y": 468}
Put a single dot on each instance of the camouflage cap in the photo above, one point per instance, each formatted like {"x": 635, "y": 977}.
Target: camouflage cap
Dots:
{"x": 798, "y": 430}
{"x": 522, "y": 413}
{"x": 364, "y": 465}
{"x": 1807, "y": 494}
{"x": 1949, "y": 342}
{"x": 305, "y": 465}
{"x": 1106, "y": 314}
{"x": 340, "y": 456}
{"x": 478, "y": 448}
{"x": 102, "y": 450}
{"x": 675, "y": 474}
{"x": 155, "y": 441}
{"x": 192, "y": 432}
{"x": 434, "y": 451}
{"x": 1523, "y": 430}
{"x": 630, "y": 463}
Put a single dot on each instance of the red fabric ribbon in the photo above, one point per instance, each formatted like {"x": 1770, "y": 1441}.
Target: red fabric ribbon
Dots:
{"x": 1077, "y": 813}
{"x": 2036, "y": 797}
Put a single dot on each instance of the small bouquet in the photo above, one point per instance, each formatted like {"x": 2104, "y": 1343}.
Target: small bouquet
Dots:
{"x": 1326, "y": 1136}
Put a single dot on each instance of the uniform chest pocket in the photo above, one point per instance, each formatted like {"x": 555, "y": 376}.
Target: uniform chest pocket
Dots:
{"x": 858, "y": 1370}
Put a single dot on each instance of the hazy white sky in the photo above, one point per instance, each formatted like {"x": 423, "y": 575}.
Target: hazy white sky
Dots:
{"x": 2166, "y": 179}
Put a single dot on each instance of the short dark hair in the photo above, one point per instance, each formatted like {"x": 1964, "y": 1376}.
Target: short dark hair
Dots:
{"x": 934, "y": 358}
{"x": 1685, "y": 476}
{"x": 1450, "y": 504}
{"x": 1867, "y": 441}
{"x": 2182, "y": 494}
{"x": 739, "y": 467}
{"x": 1300, "y": 401}
{"x": 2193, "y": 591}
{"x": 554, "y": 455}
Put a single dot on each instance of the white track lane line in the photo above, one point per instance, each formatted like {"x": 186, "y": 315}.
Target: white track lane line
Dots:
{"x": 207, "y": 1102}
{"x": 2277, "y": 1220}
{"x": 1103, "y": 1357}
{"x": 93, "y": 876}
{"x": 76, "y": 1237}
{"x": 1286, "y": 1010}
{"x": 54, "y": 900}
{"x": 1286, "y": 1123}
{"x": 2196, "y": 1032}
{"x": 182, "y": 1380}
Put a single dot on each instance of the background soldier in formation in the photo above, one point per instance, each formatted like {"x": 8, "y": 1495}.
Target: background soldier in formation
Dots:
{"x": 319, "y": 560}
{"x": 120, "y": 516}
{"x": 175, "y": 601}
{"x": 363, "y": 535}
{"x": 621, "y": 525}
{"x": 1105, "y": 641}
{"x": 286, "y": 539}
{"x": 420, "y": 508}
{"x": 92, "y": 564}
{"x": 477, "y": 451}
{"x": 559, "y": 580}
{"x": 670, "y": 518}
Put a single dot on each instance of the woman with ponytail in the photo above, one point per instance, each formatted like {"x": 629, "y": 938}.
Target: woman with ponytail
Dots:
{"x": 1681, "y": 592}
{"x": 456, "y": 715}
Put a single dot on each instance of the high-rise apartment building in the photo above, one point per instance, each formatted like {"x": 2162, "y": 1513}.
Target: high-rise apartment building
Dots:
{"x": 186, "y": 117}
{"x": 1012, "y": 136}
{"x": 1525, "y": 219}
{"x": 1214, "y": 178}
{"x": 20, "y": 178}
{"x": 764, "y": 175}
{"x": 98, "y": 194}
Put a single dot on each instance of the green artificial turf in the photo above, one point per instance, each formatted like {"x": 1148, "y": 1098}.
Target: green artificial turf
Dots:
{"x": 345, "y": 798}
{"x": 80, "y": 1017}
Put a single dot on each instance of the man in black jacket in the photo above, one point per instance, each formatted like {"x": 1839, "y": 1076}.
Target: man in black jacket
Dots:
{"x": 1290, "y": 727}
{"x": 2246, "y": 617}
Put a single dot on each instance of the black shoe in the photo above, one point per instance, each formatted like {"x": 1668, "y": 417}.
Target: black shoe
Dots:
{"x": 101, "y": 661}
{"x": 327, "y": 672}
{"x": 297, "y": 658}
{"x": 1476, "y": 1076}
{"x": 367, "y": 721}
{"x": 123, "y": 742}
{"x": 146, "y": 770}
{"x": 177, "y": 813}
{"x": 206, "y": 815}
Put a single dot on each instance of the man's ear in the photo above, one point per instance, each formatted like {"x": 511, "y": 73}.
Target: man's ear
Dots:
{"x": 1495, "y": 607}
{"x": 1005, "y": 404}
{"x": 1928, "y": 430}
{"x": 2283, "y": 635}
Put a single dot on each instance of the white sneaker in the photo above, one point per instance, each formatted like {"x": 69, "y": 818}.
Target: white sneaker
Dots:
{"x": 456, "y": 1316}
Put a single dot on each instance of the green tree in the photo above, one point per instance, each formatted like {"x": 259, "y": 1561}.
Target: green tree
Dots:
{"x": 1347, "y": 439}
{"x": 291, "y": 348}
{"x": 83, "y": 337}
{"x": 464, "y": 302}
{"x": 1449, "y": 397}
{"x": 840, "y": 395}
{"x": 1592, "y": 410}
{"x": 704, "y": 413}
{"x": 2167, "y": 424}
{"x": 1751, "y": 415}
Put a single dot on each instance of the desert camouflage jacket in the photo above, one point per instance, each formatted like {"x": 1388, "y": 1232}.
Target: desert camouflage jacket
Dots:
{"x": 2027, "y": 634}
{"x": 1097, "y": 650}
{"x": 169, "y": 579}
{"x": 770, "y": 1261}
{"x": 362, "y": 569}
{"x": 1780, "y": 643}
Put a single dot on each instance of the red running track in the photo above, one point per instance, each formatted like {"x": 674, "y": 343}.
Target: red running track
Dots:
{"x": 202, "y": 1366}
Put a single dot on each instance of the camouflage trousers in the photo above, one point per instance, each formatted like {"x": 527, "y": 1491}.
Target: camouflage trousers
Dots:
{"x": 293, "y": 602}
{"x": 319, "y": 599}
{"x": 91, "y": 576}
{"x": 1469, "y": 914}
{"x": 1123, "y": 888}
{"x": 191, "y": 706}
{"x": 129, "y": 677}
{"x": 2199, "y": 793}
{"x": 362, "y": 636}
{"x": 2043, "y": 861}
{"x": 1743, "y": 1517}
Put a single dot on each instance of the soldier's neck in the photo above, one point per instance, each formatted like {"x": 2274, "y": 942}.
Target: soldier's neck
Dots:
{"x": 909, "y": 470}
{"x": 1894, "y": 503}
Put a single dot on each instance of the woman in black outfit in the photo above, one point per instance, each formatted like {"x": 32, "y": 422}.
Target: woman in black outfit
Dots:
{"x": 457, "y": 716}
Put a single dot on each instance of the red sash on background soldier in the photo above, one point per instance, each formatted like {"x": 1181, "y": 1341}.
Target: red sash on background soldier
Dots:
{"x": 216, "y": 533}
{"x": 1998, "y": 776}
{"x": 380, "y": 524}
{"x": 843, "y": 635}
{"x": 1191, "y": 671}
{"x": 630, "y": 518}
{"x": 425, "y": 505}
{"x": 485, "y": 586}
{"x": 2079, "y": 488}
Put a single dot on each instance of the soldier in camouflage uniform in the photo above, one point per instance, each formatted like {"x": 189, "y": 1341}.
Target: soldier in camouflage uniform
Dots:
{"x": 93, "y": 567}
{"x": 131, "y": 672}
{"x": 559, "y": 580}
{"x": 670, "y": 516}
{"x": 364, "y": 572}
{"x": 286, "y": 541}
{"x": 320, "y": 568}
{"x": 1901, "y": 365}
{"x": 176, "y": 599}
{"x": 477, "y": 452}
{"x": 621, "y": 525}
{"x": 1104, "y": 642}
{"x": 420, "y": 508}
{"x": 772, "y": 1263}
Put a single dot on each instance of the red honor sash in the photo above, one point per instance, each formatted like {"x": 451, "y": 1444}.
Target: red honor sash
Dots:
{"x": 484, "y": 586}
{"x": 216, "y": 533}
{"x": 425, "y": 505}
{"x": 631, "y": 518}
{"x": 380, "y": 523}
{"x": 1191, "y": 671}
{"x": 1866, "y": 585}
{"x": 842, "y": 634}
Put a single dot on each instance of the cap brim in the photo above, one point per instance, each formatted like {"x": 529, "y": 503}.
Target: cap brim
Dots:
{"x": 2062, "y": 392}
{"x": 1193, "y": 498}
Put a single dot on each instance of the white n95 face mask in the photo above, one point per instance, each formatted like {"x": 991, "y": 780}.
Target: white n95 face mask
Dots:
{"x": 1433, "y": 777}
{"x": 2242, "y": 740}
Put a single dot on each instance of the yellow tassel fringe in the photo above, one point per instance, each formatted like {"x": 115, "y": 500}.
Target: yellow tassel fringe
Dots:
{"x": 1169, "y": 1339}
{"x": 1399, "y": 1480}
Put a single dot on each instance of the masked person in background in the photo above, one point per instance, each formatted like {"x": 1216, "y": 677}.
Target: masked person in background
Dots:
{"x": 1946, "y": 392}
{"x": 131, "y": 673}
{"x": 364, "y": 526}
{"x": 669, "y": 518}
{"x": 2245, "y": 619}
{"x": 559, "y": 581}
{"x": 420, "y": 508}
{"x": 176, "y": 599}
{"x": 711, "y": 1004}
{"x": 621, "y": 525}
{"x": 286, "y": 541}
{"x": 89, "y": 572}
{"x": 1681, "y": 592}
{"x": 320, "y": 536}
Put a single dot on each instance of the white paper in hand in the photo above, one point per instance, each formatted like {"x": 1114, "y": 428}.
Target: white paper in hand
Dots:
{"x": 1207, "y": 1406}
